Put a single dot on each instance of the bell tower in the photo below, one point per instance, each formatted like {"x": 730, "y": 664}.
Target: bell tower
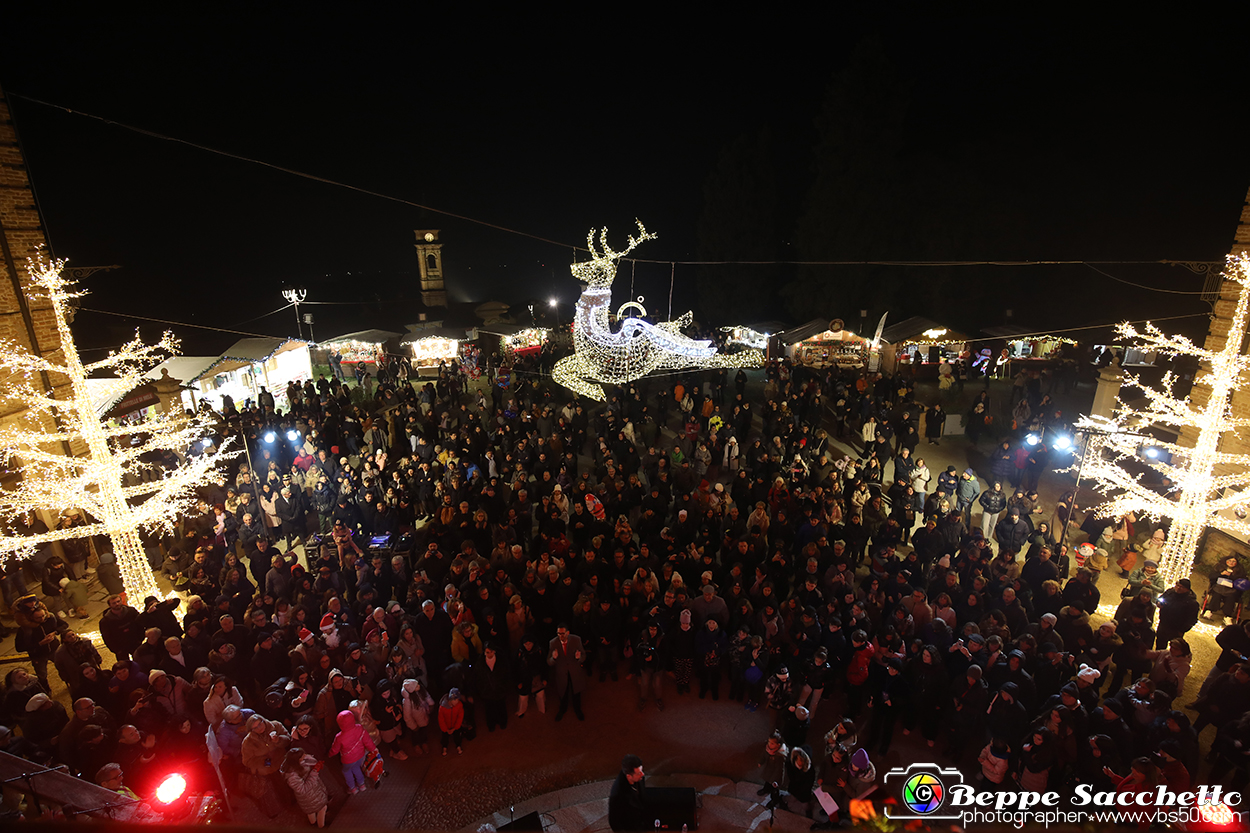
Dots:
{"x": 430, "y": 258}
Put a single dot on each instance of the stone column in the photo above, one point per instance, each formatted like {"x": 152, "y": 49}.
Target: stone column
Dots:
{"x": 1109, "y": 379}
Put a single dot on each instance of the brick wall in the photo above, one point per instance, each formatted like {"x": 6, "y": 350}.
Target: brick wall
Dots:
{"x": 1217, "y": 545}
{"x": 21, "y": 236}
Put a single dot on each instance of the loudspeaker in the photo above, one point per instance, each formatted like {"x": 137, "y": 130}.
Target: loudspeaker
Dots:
{"x": 529, "y": 821}
{"x": 673, "y": 806}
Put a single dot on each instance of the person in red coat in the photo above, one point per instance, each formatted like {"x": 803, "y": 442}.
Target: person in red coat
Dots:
{"x": 862, "y": 653}
{"x": 451, "y": 719}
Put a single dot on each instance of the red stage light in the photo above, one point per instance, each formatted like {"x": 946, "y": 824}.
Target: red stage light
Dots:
{"x": 171, "y": 789}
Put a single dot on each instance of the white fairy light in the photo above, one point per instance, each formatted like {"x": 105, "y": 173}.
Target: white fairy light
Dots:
{"x": 638, "y": 347}
{"x": 1210, "y": 484}
{"x": 429, "y": 351}
{"x": 97, "y": 482}
{"x": 526, "y": 339}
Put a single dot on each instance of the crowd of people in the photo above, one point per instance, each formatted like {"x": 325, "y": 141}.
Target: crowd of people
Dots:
{"x": 436, "y": 558}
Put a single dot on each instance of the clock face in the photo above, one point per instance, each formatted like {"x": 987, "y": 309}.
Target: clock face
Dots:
{"x": 429, "y": 237}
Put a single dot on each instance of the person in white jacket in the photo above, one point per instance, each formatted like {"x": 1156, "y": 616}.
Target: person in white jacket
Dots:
{"x": 418, "y": 705}
{"x": 920, "y": 478}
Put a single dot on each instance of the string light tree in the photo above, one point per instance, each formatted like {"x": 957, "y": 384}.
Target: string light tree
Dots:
{"x": 1210, "y": 484}
{"x": 638, "y": 347}
{"x": 112, "y": 482}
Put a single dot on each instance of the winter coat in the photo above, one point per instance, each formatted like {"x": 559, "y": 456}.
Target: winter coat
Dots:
{"x": 417, "y": 707}
{"x": 967, "y": 490}
{"x": 352, "y": 741}
{"x": 309, "y": 789}
{"x": 264, "y": 752}
{"x": 450, "y": 715}
{"x": 1011, "y": 535}
{"x": 861, "y": 659}
{"x": 993, "y": 767}
{"x": 993, "y": 501}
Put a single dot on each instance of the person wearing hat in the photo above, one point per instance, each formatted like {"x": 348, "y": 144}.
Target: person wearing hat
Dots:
{"x": 44, "y": 720}
{"x": 969, "y": 697}
{"x": 779, "y": 694}
{"x": 1178, "y": 613}
{"x": 451, "y": 720}
{"x": 891, "y": 699}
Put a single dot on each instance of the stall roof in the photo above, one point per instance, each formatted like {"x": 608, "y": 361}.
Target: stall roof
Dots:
{"x": 248, "y": 351}
{"x": 366, "y": 336}
{"x": 804, "y": 331}
{"x": 768, "y": 327}
{"x": 457, "y": 333}
{"x": 505, "y": 330}
{"x": 912, "y": 328}
{"x": 1008, "y": 331}
{"x": 186, "y": 369}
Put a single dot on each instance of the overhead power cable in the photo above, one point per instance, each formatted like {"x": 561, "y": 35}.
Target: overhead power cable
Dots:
{"x": 174, "y": 323}
{"x": 367, "y": 191}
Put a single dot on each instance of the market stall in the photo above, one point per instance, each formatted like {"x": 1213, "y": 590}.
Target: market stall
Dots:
{"x": 254, "y": 363}
{"x": 755, "y": 336}
{"x": 820, "y": 344}
{"x": 362, "y": 346}
{"x": 515, "y": 340}
{"x": 919, "y": 345}
{"x": 431, "y": 347}
{"x": 1025, "y": 343}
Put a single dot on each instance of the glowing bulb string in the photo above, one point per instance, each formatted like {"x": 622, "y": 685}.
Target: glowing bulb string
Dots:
{"x": 1196, "y": 503}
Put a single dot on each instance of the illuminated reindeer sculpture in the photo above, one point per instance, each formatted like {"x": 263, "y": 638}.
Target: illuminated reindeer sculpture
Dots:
{"x": 638, "y": 347}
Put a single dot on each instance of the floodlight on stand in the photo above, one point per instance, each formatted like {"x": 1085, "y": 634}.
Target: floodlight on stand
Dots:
{"x": 292, "y": 435}
{"x": 270, "y": 436}
{"x": 1151, "y": 452}
{"x": 206, "y": 442}
{"x": 1062, "y": 442}
{"x": 1032, "y": 439}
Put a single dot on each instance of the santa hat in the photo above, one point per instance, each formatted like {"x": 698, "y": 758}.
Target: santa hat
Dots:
{"x": 305, "y": 635}
{"x": 327, "y": 622}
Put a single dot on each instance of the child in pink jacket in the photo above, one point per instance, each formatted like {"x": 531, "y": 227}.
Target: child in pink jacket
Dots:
{"x": 351, "y": 744}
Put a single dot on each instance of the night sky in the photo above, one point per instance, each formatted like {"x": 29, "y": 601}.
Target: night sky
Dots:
{"x": 1048, "y": 140}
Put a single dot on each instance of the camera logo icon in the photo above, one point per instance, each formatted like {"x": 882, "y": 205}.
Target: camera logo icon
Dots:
{"x": 922, "y": 791}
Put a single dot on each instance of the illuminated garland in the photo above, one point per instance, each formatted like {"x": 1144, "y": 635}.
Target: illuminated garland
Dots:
{"x": 431, "y": 350}
{"x": 1201, "y": 494}
{"x": 638, "y": 347}
{"x": 95, "y": 483}
{"x": 526, "y": 339}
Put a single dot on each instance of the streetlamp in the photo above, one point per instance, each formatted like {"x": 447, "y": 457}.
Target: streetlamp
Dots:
{"x": 295, "y": 295}
{"x": 1063, "y": 442}
{"x": 555, "y": 305}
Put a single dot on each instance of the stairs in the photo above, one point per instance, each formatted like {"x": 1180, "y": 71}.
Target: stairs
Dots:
{"x": 725, "y": 805}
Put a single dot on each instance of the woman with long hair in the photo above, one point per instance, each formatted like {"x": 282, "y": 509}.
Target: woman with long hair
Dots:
{"x": 302, "y": 773}
{"x": 417, "y": 707}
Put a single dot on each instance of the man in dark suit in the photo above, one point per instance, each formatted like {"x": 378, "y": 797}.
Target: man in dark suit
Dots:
{"x": 565, "y": 656}
{"x": 627, "y": 808}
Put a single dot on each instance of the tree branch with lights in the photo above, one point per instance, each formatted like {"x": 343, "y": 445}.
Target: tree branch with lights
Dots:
{"x": 1208, "y": 481}
{"x": 117, "y": 469}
